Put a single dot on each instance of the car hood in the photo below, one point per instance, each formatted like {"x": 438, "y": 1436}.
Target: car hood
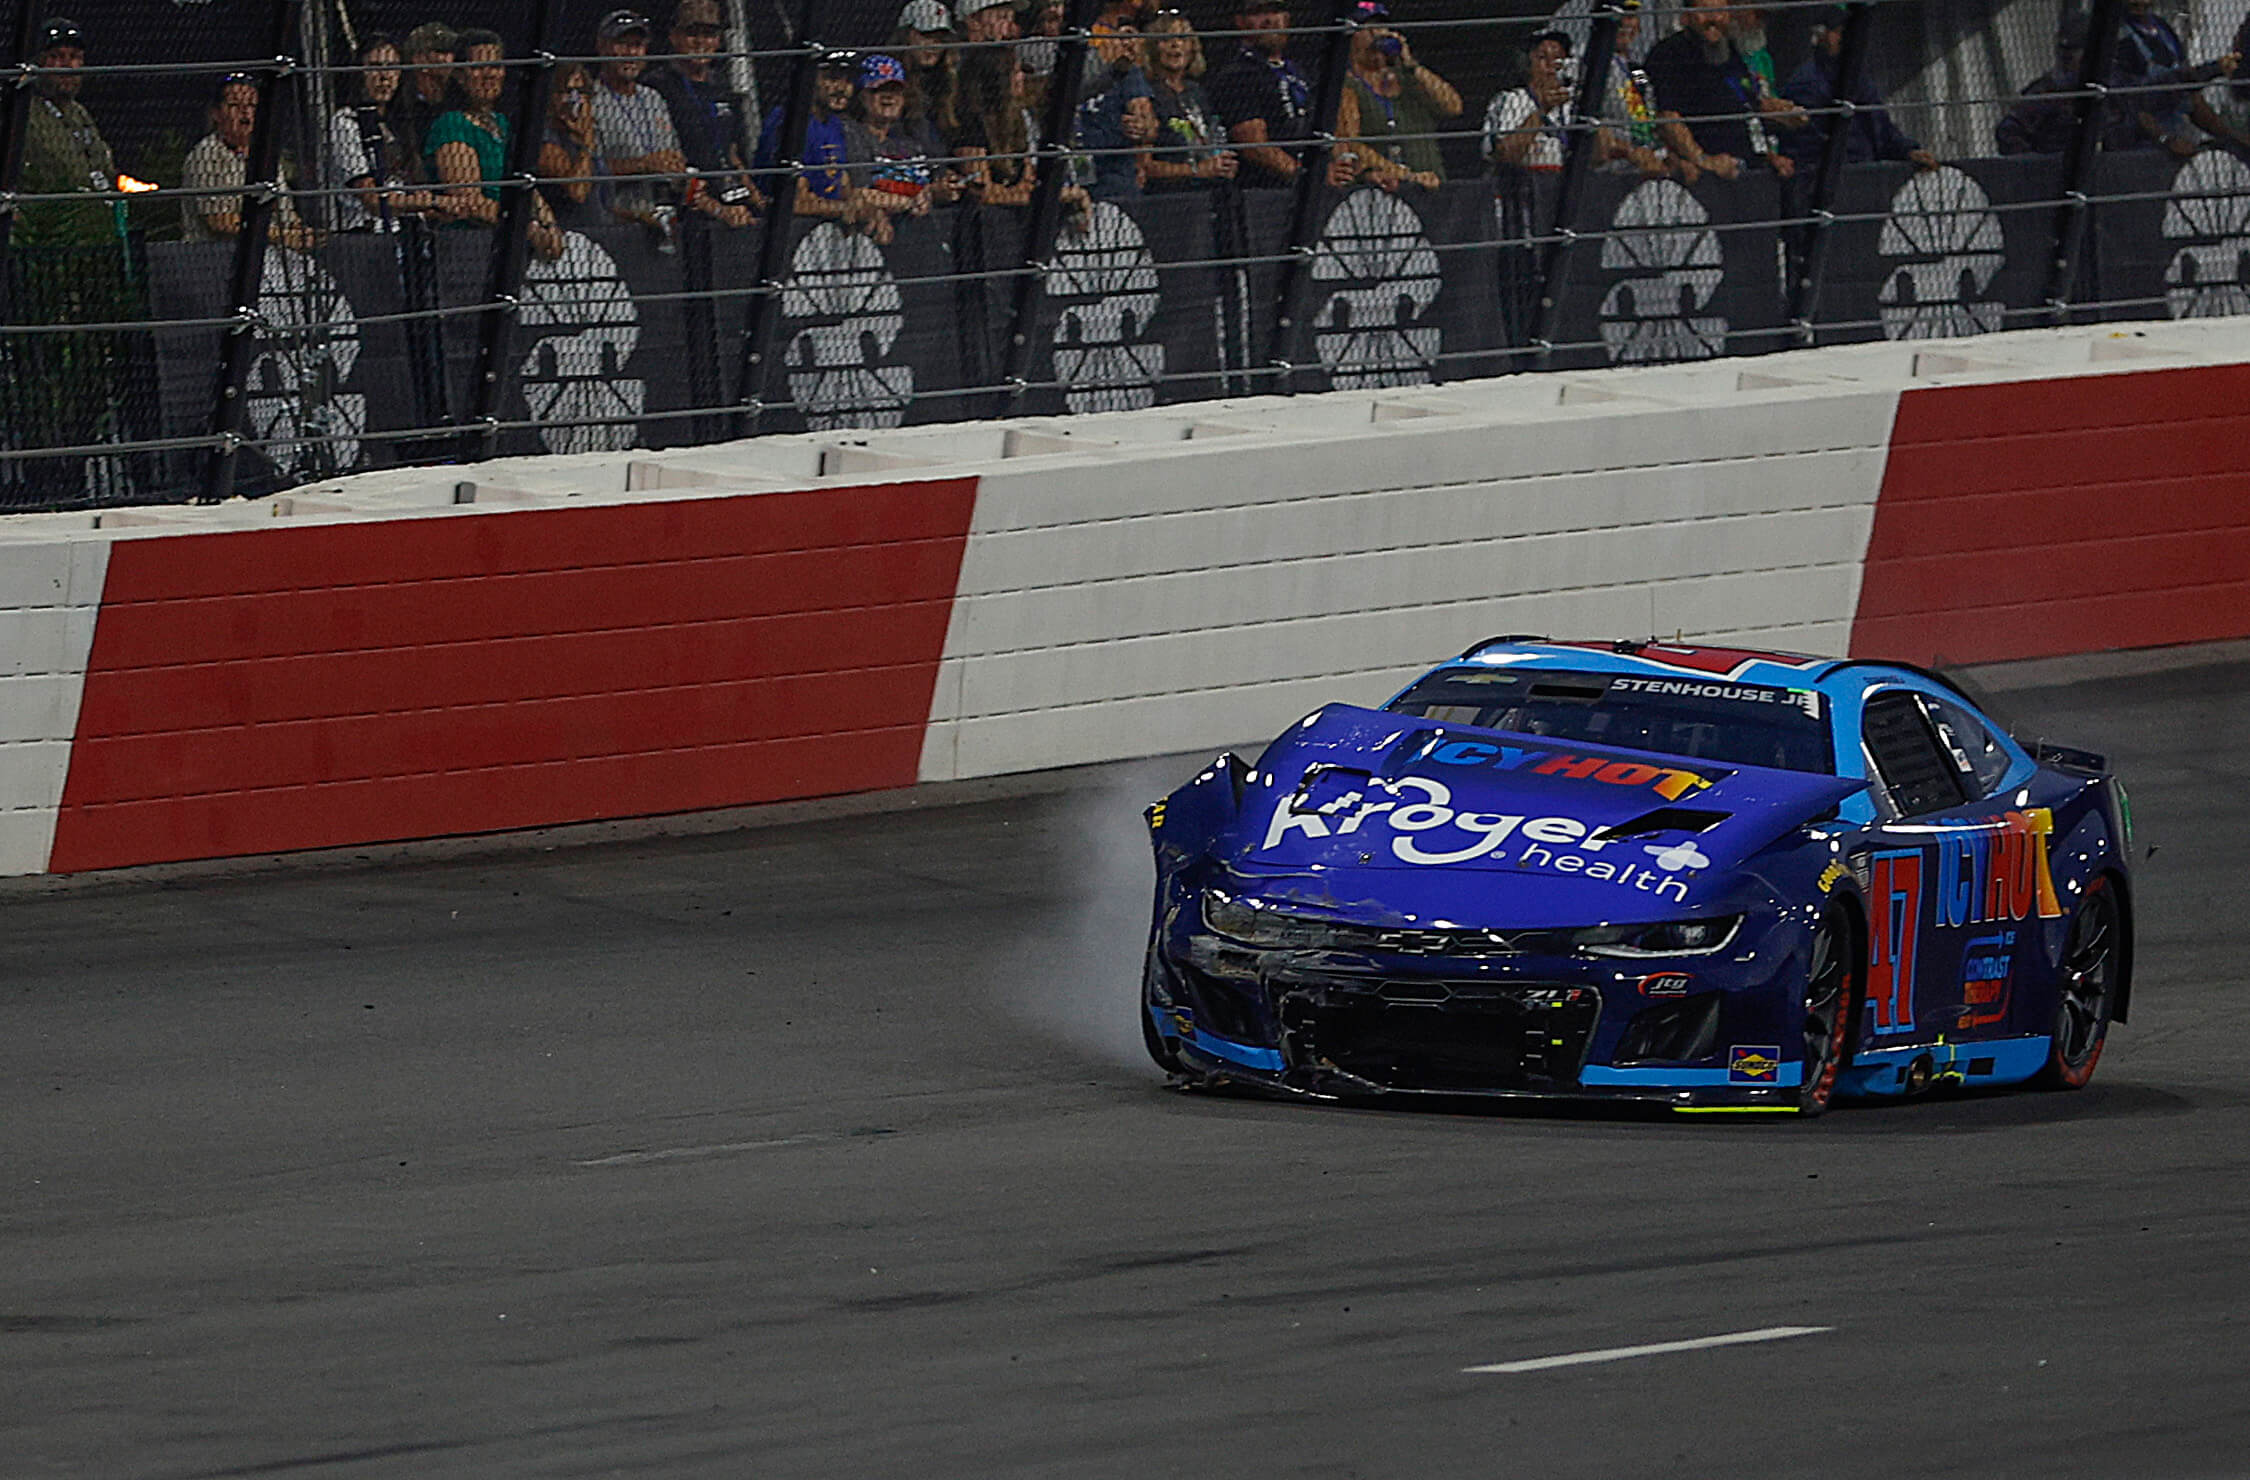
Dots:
{"x": 1391, "y": 816}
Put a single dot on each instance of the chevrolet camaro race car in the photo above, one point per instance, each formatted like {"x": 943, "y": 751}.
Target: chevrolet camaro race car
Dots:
{"x": 1710, "y": 879}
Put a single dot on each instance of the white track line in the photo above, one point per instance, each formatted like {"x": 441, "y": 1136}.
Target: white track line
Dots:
{"x": 684, "y": 1153}
{"x": 1620, "y": 1353}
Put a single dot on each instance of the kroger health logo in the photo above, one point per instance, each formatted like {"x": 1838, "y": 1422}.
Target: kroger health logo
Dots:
{"x": 1667, "y": 265}
{"x": 845, "y": 314}
{"x": 1104, "y": 282}
{"x": 1943, "y": 247}
{"x": 1379, "y": 275}
{"x": 2208, "y": 217}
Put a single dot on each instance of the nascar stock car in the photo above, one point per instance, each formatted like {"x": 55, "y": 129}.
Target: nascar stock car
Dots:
{"x": 1711, "y": 879}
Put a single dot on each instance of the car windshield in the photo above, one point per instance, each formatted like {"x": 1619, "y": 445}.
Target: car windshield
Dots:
{"x": 1707, "y": 719}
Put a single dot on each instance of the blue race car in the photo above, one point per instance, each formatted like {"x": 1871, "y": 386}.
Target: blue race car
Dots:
{"x": 1711, "y": 879}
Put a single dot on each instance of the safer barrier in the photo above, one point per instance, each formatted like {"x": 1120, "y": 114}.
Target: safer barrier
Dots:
{"x": 561, "y": 639}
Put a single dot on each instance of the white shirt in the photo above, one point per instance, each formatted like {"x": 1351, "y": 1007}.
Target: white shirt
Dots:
{"x": 1513, "y": 110}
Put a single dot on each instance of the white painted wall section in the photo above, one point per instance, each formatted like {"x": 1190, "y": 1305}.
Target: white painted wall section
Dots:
{"x": 50, "y": 592}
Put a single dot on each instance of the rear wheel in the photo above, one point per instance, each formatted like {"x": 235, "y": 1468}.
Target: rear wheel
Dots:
{"x": 1831, "y": 1007}
{"x": 2088, "y": 990}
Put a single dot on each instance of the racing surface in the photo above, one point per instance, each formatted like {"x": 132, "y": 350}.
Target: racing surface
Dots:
{"x": 827, "y": 1149}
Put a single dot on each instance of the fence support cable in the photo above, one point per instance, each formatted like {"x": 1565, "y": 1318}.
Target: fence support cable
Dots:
{"x": 261, "y": 198}
{"x": 1045, "y": 216}
{"x": 1312, "y": 184}
{"x": 763, "y": 312}
{"x": 1851, "y": 71}
{"x": 2074, "y": 217}
{"x": 1578, "y": 165}
{"x": 511, "y": 244}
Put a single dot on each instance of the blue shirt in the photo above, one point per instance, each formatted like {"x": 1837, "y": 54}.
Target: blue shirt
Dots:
{"x": 825, "y": 152}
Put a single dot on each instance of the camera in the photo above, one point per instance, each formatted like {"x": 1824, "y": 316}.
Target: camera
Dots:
{"x": 1390, "y": 45}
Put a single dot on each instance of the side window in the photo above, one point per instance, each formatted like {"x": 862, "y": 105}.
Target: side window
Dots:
{"x": 1968, "y": 742}
{"x": 1915, "y": 770}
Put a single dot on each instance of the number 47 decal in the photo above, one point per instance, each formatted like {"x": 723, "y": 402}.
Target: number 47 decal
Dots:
{"x": 1895, "y": 898}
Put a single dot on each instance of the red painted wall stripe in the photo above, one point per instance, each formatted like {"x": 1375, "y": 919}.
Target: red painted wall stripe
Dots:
{"x": 269, "y": 690}
{"x": 2039, "y": 518}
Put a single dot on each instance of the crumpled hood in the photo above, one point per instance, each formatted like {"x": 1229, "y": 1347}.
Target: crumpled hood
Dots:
{"x": 1603, "y": 829}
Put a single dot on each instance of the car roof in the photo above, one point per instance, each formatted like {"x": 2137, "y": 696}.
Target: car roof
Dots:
{"x": 1685, "y": 660}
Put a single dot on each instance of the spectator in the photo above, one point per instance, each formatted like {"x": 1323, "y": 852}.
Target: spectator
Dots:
{"x": 2045, "y": 114}
{"x": 1528, "y": 127}
{"x": 1114, "y": 128}
{"x": 468, "y": 144}
{"x": 63, "y": 151}
{"x": 633, "y": 127}
{"x": 1698, "y": 75}
{"x": 1113, "y": 46}
{"x": 1629, "y": 103}
{"x": 569, "y": 168}
{"x": 2168, "y": 110}
{"x": 1263, "y": 98}
{"x": 707, "y": 115}
{"x": 220, "y": 160}
{"x": 1189, "y": 151}
{"x": 920, "y": 40}
{"x": 1043, "y": 27}
{"x": 431, "y": 49}
{"x": 894, "y": 165}
{"x": 997, "y": 134}
{"x": 986, "y": 22}
{"x": 1747, "y": 25}
{"x": 824, "y": 186}
{"x": 1869, "y": 133}
{"x": 1391, "y": 106}
{"x": 366, "y": 159}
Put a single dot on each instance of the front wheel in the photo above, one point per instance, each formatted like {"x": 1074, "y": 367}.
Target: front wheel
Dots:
{"x": 1831, "y": 1007}
{"x": 2088, "y": 990}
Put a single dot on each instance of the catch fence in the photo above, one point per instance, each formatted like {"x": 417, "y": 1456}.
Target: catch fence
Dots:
{"x": 235, "y": 334}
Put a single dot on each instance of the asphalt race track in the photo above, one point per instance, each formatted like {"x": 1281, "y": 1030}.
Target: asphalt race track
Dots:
{"x": 827, "y": 1150}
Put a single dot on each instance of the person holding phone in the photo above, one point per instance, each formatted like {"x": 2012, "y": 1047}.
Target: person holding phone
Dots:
{"x": 1392, "y": 106}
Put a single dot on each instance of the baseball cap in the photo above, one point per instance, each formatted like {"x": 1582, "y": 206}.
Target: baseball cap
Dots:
{"x": 620, "y": 23}
{"x": 963, "y": 9}
{"x": 1568, "y": 49}
{"x": 927, "y": 16}
{"x": 703, "y": 14}
{"x": 1370, "y": 10}
{"x": 59, "y": 30}
{"x": 837, "y": 60}
{"x": 432, "y": 36}
{"x": 879, "y": 70}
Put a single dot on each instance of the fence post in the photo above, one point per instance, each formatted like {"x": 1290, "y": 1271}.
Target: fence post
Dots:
{"x": 1578, "y": 164}
{"x": 261, "y": 197}
{"x": 14, "y": 124}
{"x": 1044, "y": 218}
{"x": 1312, "y": 179}
{"x": 511, "y": 243}
{"x": 2074, "y": 214}
{"x": 764, "y": 309}
{"x": 1851, "y": 71}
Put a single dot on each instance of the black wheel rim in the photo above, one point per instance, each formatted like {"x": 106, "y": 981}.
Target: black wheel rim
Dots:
{"x": 2089, "y": 976}
{"x": 1826, "y": 1001}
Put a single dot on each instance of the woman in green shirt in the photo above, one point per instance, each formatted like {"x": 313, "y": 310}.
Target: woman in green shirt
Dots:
{"x": 468, "y": 147}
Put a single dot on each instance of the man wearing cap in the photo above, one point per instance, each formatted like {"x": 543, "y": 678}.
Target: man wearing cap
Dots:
{"x": 708, "y": 117}
{"x": 430, "y": 51}
{"x": 823, "y": 184}
{"x": 220, "y": 160}
{"x": 1263, "y": 98}
{"x": 1392, "y": 105}
{"x": 1869, "y": 133}
{"x": 63, "y": 151}
{"x": 632, "y": 126}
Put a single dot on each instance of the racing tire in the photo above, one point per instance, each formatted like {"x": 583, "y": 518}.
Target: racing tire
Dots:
{"x": 1160, "y": 1048}
{"x": 2087, "y": 992}
{"x": 1831, "y": 1008}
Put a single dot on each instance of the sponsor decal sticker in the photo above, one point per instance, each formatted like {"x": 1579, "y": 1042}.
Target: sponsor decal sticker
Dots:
{"x": 1831, "y": 876}
{"x": 1754, "y": 1063}
{"x": 1997, "y": 872}
{"x": 1666, "y": 984}
{"x": 1985, "y": 964}
{"x": 1895, "y": 897}
{"x": 1688, "y": 688}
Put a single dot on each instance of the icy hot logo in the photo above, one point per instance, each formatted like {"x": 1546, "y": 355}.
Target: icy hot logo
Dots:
{"x": 296, "y": 404}
{"x": 2209, "y": 216}
{"x": 1104, "y": 282}
{"x": 1671, "y": 259}
{"x": 574, "y": 379}
{"x": 845, "y": 314}
{"x": 1944, "y": 245}
{"x": 1380, "y": 276}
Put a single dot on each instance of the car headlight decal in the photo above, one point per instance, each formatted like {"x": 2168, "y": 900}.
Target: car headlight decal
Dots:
{"x": 1665, "y": 938}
